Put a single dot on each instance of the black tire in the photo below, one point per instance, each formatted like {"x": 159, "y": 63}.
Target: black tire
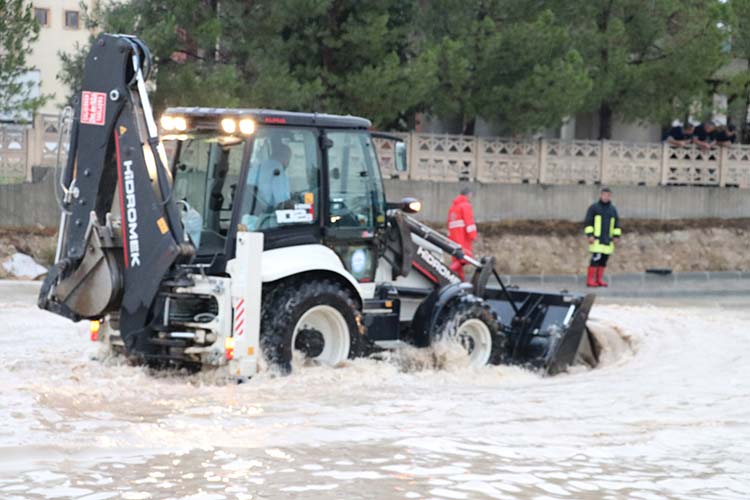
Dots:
{"x": 286, "y": 302}
{"x": 460, "y": 311}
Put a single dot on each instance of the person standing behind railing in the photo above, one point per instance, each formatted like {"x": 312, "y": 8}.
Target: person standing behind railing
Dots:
{"x": 602, "y": 228}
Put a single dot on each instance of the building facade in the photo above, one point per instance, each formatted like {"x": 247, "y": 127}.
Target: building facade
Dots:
{"x": 62, "y": 29}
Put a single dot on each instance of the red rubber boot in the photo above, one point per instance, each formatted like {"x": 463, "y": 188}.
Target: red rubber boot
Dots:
{"x": 457, "y": 267}
{"x": 600, "y": 276}
{"x": 591, "y": 278}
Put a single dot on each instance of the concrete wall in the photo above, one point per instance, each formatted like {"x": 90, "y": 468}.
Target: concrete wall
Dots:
{"x": 30, "y": 204}
{"x": 33, "y": 204}
{"x": 587, "y": 127}
{"x": 534, "y": 201}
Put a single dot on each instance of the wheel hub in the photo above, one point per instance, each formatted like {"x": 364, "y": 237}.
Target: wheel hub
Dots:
{"x": 310, "y": 342}
{"x": 474, "y": 336}
{"x": 322, "y": 334}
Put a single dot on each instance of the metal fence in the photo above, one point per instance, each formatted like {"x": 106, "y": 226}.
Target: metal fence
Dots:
{"x": 500, "y": 160}
{"x": 443, "y": 157}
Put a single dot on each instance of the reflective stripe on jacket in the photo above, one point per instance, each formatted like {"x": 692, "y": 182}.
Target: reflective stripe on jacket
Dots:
{"x": 603, "y": 223}
{"x": 461, "y": 226}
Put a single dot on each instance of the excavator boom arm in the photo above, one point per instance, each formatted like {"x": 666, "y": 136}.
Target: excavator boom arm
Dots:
{"x": 121, "y": 233}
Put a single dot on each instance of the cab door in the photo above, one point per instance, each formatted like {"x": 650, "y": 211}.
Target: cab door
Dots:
{"x": 355, "y": 213}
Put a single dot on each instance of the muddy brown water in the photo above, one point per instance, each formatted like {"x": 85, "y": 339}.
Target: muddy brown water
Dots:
{"x": 667, "y": 416}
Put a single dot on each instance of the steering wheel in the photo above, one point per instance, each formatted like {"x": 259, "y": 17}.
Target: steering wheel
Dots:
{"x": 341, "y": 215}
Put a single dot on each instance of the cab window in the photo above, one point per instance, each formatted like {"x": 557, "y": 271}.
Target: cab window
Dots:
{"x": 207, "y": 170}
{"x": 356, "y": 194}
{"x": 281, "y": 187}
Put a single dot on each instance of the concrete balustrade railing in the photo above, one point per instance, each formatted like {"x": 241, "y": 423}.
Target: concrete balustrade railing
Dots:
{"x": 24, "y": 146}
{"x": 490, "y": 160}
{"x": 454, "y": 158}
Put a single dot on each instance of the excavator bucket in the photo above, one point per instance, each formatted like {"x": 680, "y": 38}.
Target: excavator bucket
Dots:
{"x": 546, "y": 331}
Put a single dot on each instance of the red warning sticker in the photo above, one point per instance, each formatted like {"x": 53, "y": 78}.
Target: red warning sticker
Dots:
{"x": 93, "y": 107}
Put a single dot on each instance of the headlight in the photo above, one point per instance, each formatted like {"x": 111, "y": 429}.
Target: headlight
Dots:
{"x": 180, "y": 123}
{"x": 229, "y": 125}
{"x": 167, "y": 122}
{"x": 247, "y": 126}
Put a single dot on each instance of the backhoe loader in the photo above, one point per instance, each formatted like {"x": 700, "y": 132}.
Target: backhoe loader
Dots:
{"x": 218, "y": 236}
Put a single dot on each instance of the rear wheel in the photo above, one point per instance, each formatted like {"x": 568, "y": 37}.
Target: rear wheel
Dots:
{"x": 470, "y": 322}
{"x": 318, "y": 318}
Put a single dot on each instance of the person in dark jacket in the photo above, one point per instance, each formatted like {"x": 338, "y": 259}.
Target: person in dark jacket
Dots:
{"x": 704, "y": 135}
{"x": 679, "y": 135}
{"x": 602, "y": 228}
{"x": 726, "y": 134}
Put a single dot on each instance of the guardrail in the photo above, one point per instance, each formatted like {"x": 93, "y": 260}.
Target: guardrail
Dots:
{"x": 454, "y": 158}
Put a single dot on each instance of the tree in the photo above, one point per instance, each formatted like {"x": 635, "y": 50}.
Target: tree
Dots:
{"x": 648, "y": 60}
{"x": 501, "y": 62}
{"x": 736, "y": 79}
{"x": 18, "y": 31}
{"x": 340, "y": 56}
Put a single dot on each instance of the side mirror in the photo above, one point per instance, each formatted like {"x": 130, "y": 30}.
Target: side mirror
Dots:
{"x": 411, "y": 205}
{"x": 400, "y": 156}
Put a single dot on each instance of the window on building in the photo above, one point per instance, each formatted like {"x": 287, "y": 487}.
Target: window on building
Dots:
{"x": 42, "y": 16}
{"x": 71, "y": 19}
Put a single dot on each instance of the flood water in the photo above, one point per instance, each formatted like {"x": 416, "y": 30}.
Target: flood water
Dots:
{"x": 667, "y": 416}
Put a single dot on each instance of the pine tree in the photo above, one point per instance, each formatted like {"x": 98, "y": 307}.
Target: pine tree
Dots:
{"x": 501, "y": 62}
{"x": 648, "y": 60}
{"x": 343, "y": 56}
{"x": 736, "y": 81}
{"x": 18, "y": 31}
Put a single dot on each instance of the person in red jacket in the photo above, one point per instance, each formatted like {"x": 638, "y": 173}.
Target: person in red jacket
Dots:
{"x": 461, "y": 227}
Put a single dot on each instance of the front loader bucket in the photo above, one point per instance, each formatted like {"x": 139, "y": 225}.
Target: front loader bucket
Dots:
{"x": 549, "y": 332}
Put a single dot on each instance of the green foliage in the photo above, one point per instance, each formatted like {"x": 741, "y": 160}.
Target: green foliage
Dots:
{"x": 735, "y": 80}
{"x": 500, "y": 62}
{"x": 531, "y": 77}
{"x": 648, "y": 60}
{"x": 329, "y": 55}
{"x": 18, "y": 31}
{"x": 522, "y": 67}
{"x": 320, "y": 55}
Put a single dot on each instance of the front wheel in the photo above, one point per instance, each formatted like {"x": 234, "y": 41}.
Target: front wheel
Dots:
{"x": 318, "y": 318}
{"x": 470, "y": 322}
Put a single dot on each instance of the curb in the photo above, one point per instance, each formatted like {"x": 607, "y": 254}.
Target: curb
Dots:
{"x": 630, "y": 278}
{"x": 645, "y": 285}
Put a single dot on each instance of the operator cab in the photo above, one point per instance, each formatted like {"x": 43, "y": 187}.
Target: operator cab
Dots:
{"x": 300, "y": 178}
